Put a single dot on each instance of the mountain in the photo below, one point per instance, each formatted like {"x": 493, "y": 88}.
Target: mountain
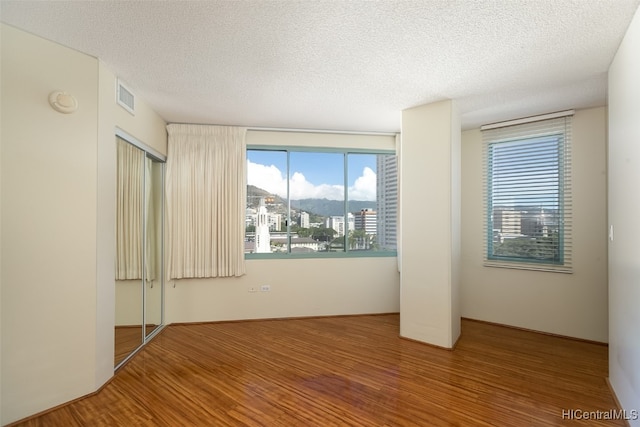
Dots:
{"x": 327, "y": 207}
{"x": 322, "y": 207}
{"x": 254, "y": 194}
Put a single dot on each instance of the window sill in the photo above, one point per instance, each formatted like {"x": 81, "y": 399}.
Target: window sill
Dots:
{"x": 549, "y": 268}
{"x": 321, "y": 255}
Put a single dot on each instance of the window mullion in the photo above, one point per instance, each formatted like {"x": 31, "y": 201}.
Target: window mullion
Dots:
{"x": 345, "y": 238}
{"x": 288, "y": 202}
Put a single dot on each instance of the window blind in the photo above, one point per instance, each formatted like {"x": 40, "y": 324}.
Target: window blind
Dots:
{"x": 527, "y": 195}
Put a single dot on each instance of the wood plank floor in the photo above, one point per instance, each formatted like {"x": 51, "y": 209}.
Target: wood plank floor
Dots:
{"x": 127, "y": 339}
{"x": 346, "y": 371}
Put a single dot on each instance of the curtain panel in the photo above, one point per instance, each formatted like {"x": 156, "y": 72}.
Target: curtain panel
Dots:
{"x": 205, "y": 201}
{"x": 150, "y": 222}
{"x": 129, "y": 211}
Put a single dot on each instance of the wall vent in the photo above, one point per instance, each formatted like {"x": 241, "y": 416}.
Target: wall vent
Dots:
{"x": 125, "y": 97}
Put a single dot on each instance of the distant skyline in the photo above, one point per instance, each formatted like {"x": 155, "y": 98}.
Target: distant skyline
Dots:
{"x": 313, "y": 174}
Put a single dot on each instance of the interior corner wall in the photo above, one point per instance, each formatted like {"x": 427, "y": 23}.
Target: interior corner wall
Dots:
{"x": 145, "y": 124}
{"x": 573, "y": 305}
{"x": 147, "y": 127}
{"x": 48, "y": 225}
{"x": 624, "y": 214}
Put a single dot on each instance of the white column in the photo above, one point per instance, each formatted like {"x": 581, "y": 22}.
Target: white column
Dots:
{"x": 430, "y": 224}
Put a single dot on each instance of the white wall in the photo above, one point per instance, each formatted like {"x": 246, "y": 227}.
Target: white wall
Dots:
{"x": 624, "y": 215}
{"x": 430, "y": 215}
{"x": 58, "y": 226}
{"x": 48, "y": 226}
{"x": 566, "y": 304}
{"x": 299, "y": 287}
{"x": 149, "y": 128}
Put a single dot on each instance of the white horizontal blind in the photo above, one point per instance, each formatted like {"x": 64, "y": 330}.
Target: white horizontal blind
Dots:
{"x": 527, "y": 196}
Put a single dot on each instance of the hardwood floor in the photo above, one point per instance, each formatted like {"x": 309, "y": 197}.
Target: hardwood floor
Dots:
{"x": 346, "y": 371}
{"x": 127, "y": 339}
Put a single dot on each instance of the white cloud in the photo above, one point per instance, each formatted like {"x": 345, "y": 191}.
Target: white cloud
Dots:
{"x": 271, "y": 179}
{"x": 364, "y": 188}
{"x": 300, "y": 188}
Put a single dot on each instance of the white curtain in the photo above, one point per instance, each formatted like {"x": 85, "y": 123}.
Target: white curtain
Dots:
{"x": 205, "y": 201}
{"x": 129, "y": 211}
{"x": 150, "y": 224}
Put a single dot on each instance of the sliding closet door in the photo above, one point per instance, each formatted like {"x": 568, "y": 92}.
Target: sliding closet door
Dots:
{"x": 154, "y": 178}
{"x": 130, "y": 201}
{"x": 139, "y": 246}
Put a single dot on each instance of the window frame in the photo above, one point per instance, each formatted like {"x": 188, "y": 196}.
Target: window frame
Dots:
{"x": 346, "y": 253}
{"x": 559, "y": 134}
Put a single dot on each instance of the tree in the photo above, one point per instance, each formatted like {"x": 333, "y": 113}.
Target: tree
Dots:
{"x": 358, "y": 239}
{"x": 304, "y": 232}
{"x": 336, "y": 244}
{"x": 541, "y": 248}
{"x": 322, "y": 234}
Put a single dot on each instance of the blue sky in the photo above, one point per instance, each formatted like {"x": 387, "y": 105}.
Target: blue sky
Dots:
{"x": 313, "y": 175}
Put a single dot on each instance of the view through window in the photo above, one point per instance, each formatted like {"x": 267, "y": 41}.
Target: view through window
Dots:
{"x": 307, "y": 202}
{"x": 528, "y": 194}
{"x": 526, "y": 199}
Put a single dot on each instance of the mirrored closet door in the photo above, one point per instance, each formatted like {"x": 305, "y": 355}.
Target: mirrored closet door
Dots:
{"x": 139, "y": 285}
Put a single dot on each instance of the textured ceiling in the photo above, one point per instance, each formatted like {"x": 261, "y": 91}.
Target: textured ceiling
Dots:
{"x": 343, "y": 65}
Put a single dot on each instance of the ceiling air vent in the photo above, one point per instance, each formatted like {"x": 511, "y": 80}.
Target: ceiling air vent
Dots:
{"x": 125, "y": 98}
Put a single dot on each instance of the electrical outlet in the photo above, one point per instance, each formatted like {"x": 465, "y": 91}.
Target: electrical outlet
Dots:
{"x": 252, "y": 289}
{"x": 265, "y": 288}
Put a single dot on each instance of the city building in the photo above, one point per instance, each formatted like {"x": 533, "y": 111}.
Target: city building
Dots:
{"x": 366, "y": 220}
{"x": 387, "y": 201}
{"x": 304, "y": 220}
{"x": 337, "y": 223}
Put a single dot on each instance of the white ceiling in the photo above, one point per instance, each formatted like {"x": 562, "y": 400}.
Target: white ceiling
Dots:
{"x": 343, "y": 65}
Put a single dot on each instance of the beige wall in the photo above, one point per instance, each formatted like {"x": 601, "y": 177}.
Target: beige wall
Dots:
{"x": 567, "y": 304}
{"x": 58, "y": 225}
{"x": 48, "y": 226}
{"x": 624, "y": 216}
{"x": 149, "y": 128}
{"x": 299, "y": 287}
{"x": 326, "y": 140}
{"x": 429, "y": 184}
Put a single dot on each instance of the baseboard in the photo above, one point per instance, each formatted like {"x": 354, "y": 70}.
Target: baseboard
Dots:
{"x": 209, "y": 322}
{"x": 616, "y": 400}
{"x": 77, "y": 399}
{"x": 439, "y": 347}
{"x": 518, "y": 328}
{"x": 62, "y": 405}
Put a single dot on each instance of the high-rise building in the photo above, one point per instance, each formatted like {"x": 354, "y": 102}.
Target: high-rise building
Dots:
{"x": 275, "y": 222}
{"x": 507, "y": 222}
{"x": 366, "y": 220}
{"x": 337, "y": 223}
{"x": 304, "y": 220}
{"x": 387, "y": 201}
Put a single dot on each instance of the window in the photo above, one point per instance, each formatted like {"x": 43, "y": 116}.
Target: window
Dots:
{"x": 320, "y": 202}
{"x": 528, "y": 195}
